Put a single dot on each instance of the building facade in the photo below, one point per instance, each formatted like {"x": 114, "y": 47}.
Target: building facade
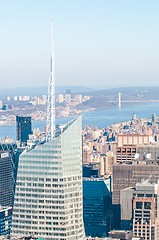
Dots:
{"x": 6, "y": 180}
{"x": 127, "y": 175}
{"x": 23, "y": 128}
{"x": 145, "y": 211}
{"x": 48, "y": 198}
{"x": 97, "y": 206}
{"x": 5, "y": 220}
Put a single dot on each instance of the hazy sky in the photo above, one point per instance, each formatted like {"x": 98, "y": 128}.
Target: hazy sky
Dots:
{"x": 107, "y": 43}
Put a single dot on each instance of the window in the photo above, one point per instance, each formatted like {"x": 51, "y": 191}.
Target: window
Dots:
{"x": 139, "y": 205}
{"x": 147, "y": 205}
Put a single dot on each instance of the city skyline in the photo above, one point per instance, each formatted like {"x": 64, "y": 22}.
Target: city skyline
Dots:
{"x": 109, "y": 43}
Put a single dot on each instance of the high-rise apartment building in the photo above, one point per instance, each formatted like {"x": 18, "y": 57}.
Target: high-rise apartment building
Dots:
{"x": 48, "y": 198}
{"x": 23, "y": 128}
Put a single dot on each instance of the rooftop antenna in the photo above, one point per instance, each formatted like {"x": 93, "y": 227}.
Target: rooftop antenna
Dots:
{"x": 51, "y": 95}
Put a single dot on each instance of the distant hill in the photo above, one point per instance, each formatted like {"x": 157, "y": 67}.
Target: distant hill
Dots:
{"x": 138, "y": 92}
{"x": 41, "y": 90}
{"x": 144, "y": 92}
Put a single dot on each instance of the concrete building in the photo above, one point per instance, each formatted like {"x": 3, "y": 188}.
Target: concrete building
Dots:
{"x": 146, "y": 210}
{"x": 121, "y": 235}
{"x": 48, "y": 197}
{"x": 126, "y": 196}
{"x": 127, "y": 145}
{"x": 148, "y": 152}
{"x": 127, "y": 175}
{"x": 97, "y": 206}
{"x": 125, "y": 154}
{"x": 132, "y": 139}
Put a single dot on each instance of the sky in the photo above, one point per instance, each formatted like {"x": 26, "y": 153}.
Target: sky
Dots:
{"x": 97, "y": 43}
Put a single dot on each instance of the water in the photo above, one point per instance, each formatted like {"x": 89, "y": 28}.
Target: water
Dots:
{"x": 99, "y": 118}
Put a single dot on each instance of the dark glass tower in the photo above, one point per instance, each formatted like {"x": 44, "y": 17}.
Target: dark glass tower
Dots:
{"x": 6, "y": 184}
{"x": 97, "y": 206}
{"x": 23, "y": 128}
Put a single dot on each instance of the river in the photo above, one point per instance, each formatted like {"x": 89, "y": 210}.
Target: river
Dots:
{"x": 100, "y": 118}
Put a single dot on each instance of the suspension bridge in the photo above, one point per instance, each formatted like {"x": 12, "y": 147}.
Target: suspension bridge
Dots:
{"x": 119, "y": 99}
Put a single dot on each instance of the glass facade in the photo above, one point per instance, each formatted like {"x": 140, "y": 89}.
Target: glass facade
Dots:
{"x": 6, "y": 180}
{"x": 97, "y": 206}
{"x": 23, "y": 128}
{"x": 48, "y": 197}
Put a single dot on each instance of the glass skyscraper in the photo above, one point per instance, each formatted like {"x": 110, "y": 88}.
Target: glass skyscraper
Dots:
{"x": 6, "y": 180}
{"x": 23, "y": 128}
{"x": 97, "y": 206}
{"x": 48, "y": 197}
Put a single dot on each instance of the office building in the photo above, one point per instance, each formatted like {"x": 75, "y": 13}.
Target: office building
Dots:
{"x": 125, "y": 154}
{"x": 127, "y": 175}
{"x": 145, "y": 210}
{"x": 13, "y": 152}
{"x": 48, "y": 197}
{"x": 126, "y": 196}
{"x": 134, "y": 139}
{"x": 149, "y": 152}
{"x": 5, "y": 220}
{"x": 23, "y": 128}
{"x": 6, "y": 183}
{"x": 97, "y": 206}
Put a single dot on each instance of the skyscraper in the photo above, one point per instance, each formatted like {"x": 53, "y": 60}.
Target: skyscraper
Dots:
{"x": 23, "y": 128}
{"x": 6, "y": 181}
{"x": 48, "y": 197}
{"x": 97, "y": 206}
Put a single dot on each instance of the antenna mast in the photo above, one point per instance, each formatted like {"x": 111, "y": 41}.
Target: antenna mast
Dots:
{"x": 51, "y": 96}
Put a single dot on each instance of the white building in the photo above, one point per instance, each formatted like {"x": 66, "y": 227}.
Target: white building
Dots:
{"x": 67, "y": 98}
{"x": 8, "y": 98}
{"x": 15, "y": 98}
{"x": 60, "y": 98}
{"x": 78, "y": 98}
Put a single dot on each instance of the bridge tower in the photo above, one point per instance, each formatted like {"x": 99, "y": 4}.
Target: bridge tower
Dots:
{"x": 119, "y": 100}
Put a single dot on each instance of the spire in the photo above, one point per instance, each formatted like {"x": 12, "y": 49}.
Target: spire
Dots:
{"x": 51, "y": 95}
